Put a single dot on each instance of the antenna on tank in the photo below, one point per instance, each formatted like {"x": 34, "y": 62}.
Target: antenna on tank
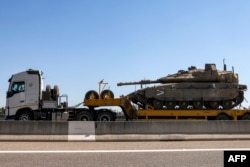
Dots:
{"x": 224, "y": 64}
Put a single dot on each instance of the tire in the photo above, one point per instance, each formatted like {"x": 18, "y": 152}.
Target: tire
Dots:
{"x": 246, "y": 116}
{"x": 105, "y": 116}
{"x": 25, "y": 116}
{"x": 55, "y": 92}
{"x": 107, "y": 94}
{"x": 48, "y": 88}
{"x": 84, "y": 116}
{"x": 222, "y": 117}
{"x": 91, "y": 95}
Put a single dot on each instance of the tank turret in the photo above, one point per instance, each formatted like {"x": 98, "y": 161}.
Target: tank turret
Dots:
{"x": 209, "y": 74}
{"x": 206, "y": 88}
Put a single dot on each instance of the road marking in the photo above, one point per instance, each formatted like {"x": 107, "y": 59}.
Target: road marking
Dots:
{"x": 120, "y": 151}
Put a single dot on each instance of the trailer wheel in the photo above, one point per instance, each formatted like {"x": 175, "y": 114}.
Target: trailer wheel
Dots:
{"x": 91, "y": 95}
{"x": 106, "y": 94}
{"x": 105, "y": 116}
{"x": 84, "y": 116}
{"x": 222, "y": 117}
{"x": 246, "y": 116}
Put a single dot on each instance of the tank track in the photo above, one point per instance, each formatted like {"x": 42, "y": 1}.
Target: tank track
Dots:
{"x": 143, "y": 102}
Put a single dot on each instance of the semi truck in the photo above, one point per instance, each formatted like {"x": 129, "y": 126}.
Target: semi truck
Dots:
{"x": 27, "y": 99}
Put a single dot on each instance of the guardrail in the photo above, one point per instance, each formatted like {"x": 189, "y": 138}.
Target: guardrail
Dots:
{"x": 123, "y": 131}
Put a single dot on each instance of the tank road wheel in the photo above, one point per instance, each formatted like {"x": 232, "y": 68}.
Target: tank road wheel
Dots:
{"x": 91, "y": 95}
{"x": 107, "y": 94}
{"x": 105, "y": 116}
{"x": 214, "y": 104}
{"x": 206, "y": 104}
{"x": 84, "y": 116}
{"x": 170, "y": 104}
{"x": 183, "y": 104}
{"x": 227, "y": 104}
{"x": 198, "y": 104}
{"x": 222, "y": 117}
{"x": 158, "y": 104}
{"x": 246, "y": 116}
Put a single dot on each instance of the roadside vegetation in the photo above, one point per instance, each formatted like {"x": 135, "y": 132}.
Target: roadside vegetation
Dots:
{"x": 2, "y": 110}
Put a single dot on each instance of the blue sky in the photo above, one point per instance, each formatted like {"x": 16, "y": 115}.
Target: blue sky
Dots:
{"x": 80, "y": 42}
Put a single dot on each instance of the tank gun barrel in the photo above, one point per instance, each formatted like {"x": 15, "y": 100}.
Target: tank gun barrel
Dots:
{"x": 138, "y": 83}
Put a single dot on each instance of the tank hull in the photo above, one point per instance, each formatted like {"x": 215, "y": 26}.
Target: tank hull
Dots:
{"x": 193, "y": 94}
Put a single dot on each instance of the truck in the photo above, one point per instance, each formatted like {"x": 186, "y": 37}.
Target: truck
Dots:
{"x": 27, "y": 99}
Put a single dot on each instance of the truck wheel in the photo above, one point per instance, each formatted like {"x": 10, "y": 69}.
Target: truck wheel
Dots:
{"x": 222, "y": 117}
{"x": 25, "y": 116}
{"x": 107, "y": 94}
{"x": 105, "y": 116}
{"x": 84, "y": 116}
{"x": 91, "y": 95}
{"x": 246, "y": 117}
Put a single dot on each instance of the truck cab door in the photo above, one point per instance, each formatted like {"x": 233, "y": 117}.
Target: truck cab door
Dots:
{"x": 15, "y": 97}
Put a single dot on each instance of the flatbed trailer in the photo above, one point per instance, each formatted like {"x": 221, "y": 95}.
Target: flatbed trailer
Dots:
{"x": 131, "y": 113}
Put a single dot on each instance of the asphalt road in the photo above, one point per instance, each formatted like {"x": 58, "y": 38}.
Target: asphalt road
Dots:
{"x": 119, "y": 154}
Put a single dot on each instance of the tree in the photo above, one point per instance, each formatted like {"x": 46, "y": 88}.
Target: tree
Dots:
{"x": 2, "y": 110}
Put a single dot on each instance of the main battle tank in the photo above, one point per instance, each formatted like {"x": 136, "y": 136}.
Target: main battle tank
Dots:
{"x": 207, "y": 88}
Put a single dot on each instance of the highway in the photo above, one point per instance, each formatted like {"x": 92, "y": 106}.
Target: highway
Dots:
{"x": 119, "y": 154}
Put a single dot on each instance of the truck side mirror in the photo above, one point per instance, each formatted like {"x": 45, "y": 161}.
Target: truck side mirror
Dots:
{"x": 10, "y": 94}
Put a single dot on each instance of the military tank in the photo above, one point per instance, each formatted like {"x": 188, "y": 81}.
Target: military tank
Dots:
{"x": 206, "y": 88}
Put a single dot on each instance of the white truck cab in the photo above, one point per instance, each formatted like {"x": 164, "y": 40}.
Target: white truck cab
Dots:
{"x": 24, "y": 94}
